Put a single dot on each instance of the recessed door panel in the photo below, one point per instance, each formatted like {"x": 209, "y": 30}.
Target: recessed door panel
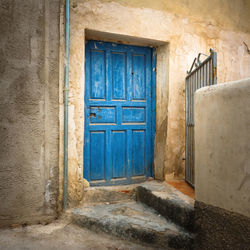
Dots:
{"x": 97, "y": 155}
{"x": 98, "y": 71}
{"x": 138, "y": 73}
{"x": 118, "y": 147}
{"x": 133, "y": 114}
{"x": 138, "y": 149}
{"x": 118, "y": 62}
{"x": 102, "y": 115}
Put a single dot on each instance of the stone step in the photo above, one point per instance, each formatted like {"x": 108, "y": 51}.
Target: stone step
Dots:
{"x": 168, "y": 202}
{"x": 133, "y": 221}
{"x": 108, "y": 195}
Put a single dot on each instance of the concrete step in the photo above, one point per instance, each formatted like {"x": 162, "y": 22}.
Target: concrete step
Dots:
{"x": 109, "y": 195}
{"x": 133, "y": 221}
{"x": 168, "y": 202}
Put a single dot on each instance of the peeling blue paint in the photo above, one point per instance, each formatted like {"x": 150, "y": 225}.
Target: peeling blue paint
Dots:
{"x": 119, "y": 113}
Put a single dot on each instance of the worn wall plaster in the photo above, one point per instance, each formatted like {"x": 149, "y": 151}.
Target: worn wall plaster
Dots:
{"x": 186, "y": 32}
{"x": 28, "y": 111}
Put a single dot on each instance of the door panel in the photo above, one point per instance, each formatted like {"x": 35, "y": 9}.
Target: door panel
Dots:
{"x": 118, "y": 62}
{"x": 97, "y": 155}
{"x": 138, "y": 149}
{"x": 138, "y": 71}
{"x": 98, "y": 74}
{"x": 118, "y": 133}
{"x": 118, "y": 140}
{"x": 99, "y": 114}
{"x": 133, "y": 114}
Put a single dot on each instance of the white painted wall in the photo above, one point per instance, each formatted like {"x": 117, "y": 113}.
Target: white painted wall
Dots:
{"x": 222, "y": 146}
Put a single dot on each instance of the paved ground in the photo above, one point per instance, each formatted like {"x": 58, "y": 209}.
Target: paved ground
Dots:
{"x": 183, "y": 187}
{"x": 105, "y": 207}
{"x": 61, "y": 235}
{"x": 127, "y": 214}
{"x": 134, "y": 221}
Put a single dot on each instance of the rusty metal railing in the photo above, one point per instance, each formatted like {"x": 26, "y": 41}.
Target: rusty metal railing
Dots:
{"x": 201, "y": 74}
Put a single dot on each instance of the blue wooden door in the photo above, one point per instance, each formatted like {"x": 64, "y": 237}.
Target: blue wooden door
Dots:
{"x": 119, "y": 113}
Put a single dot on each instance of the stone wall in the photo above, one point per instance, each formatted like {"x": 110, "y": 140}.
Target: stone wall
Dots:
{"x": 217, "y": 228}
{"x": 29, "y": 49}
{"x": 180, "y": 30}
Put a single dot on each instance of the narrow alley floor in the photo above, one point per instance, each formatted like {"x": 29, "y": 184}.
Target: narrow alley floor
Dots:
{"x": 61, "y": 235}
{"x": 150, "y": 215}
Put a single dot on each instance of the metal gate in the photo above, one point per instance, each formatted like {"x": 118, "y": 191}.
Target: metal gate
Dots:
{"x": 201, "y": 74}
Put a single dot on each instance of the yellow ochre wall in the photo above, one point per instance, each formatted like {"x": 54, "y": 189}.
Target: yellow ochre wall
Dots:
{"x": 179, "y": 29}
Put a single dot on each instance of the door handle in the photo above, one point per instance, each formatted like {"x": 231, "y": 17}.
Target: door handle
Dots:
{"x": 92, "y": 115}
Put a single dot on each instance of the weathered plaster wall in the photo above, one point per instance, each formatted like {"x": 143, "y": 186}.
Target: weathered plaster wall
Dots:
{"x": 186, "y": 28}
{"x": 162, "y": 94}
{"x": 222, "y": 146}
{"x": 29, "y": 44}
{"x": 222, "y": 166}
{"x": 233, "y": 14}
